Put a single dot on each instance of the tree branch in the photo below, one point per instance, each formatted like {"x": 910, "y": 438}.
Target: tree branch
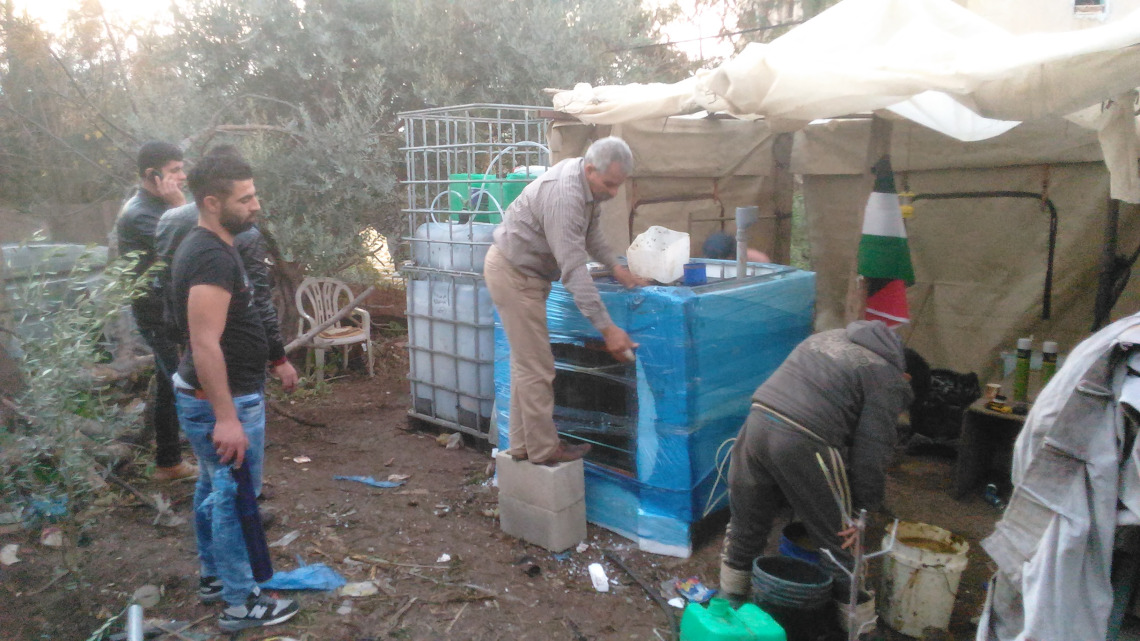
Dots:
{"x": 304, "y": 339}
{"x": 61, "y": 141}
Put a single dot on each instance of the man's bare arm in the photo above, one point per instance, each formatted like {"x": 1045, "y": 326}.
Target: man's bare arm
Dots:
{"x": 206, "y": 314}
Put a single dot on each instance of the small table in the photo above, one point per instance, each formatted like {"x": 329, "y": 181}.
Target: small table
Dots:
{"x": 985, "y": 443}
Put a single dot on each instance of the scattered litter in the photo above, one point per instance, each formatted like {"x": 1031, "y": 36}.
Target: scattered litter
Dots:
{"x": 443, "y": 558}
{"x": 360, "y": 588}
{"x": 345, "y": 608}
{"x": 491, "y": 512}
{"x": 562, "y": 557}
{"x": 389, "y": 462}
{"x": 50, "y": 508}
{"x": 8, "y": 518}
{"x": 668, "y": 588}
{"x": 315, "y": 576}
{"x": 147, "y": 596}
{"x": 693, "y": 590}
{"x": 166, "y": 516}
{"x": 452, "y": 441}
{"x": 52, "y": 537}
{"x": 442, "y": 510}
{"x": 582, "y": 547}
{"x": 368, "y": 480}
{"x": 302, "y": 459}
{"x": 598, "y": 577}
{"x": 677, "y": 602}
{"x": 286, "y": 540}
{"x": 348, "y": 560}
{"x": 419, "y": 491}
{"x": 8, "y": 554}
{"x": 395, "y": 478}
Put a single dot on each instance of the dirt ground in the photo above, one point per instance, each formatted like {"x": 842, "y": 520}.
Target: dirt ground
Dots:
{"x": 493, "y": 587}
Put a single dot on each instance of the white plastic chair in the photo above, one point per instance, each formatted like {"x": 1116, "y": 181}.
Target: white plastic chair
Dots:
{"x": 318, "y": 299}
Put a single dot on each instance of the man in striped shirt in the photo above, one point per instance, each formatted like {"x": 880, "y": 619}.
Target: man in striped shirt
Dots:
{"x": 549, "y": 233}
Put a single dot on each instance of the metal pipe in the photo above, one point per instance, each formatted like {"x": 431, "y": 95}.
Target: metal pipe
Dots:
{"x": 745, "y": 217}
{"x": 135, "y": 623}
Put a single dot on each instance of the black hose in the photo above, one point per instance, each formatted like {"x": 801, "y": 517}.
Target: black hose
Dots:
{"x": 1047, "y": 297}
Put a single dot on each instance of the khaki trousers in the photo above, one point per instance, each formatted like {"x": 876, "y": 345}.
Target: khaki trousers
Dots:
{"x": 521, "y": 302}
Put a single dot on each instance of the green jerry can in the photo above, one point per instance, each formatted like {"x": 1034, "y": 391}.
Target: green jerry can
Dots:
{"x": 719, "y": 622}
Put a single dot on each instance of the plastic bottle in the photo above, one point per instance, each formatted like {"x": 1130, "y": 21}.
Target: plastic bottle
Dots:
{"x": 1048, "y": 361}
{"x": 719, "y": 622}
{"x": 1021, "y": 370}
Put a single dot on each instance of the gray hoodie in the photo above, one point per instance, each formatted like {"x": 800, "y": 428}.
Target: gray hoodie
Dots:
{"x": 847, "y": 387}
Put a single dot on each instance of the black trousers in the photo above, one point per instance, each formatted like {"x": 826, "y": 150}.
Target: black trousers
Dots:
{"x": 773, "y": 465}
{"x": 167, "y": 450}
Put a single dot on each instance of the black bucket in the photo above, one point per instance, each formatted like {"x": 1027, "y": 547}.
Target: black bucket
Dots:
{"x": 796, "y": 593}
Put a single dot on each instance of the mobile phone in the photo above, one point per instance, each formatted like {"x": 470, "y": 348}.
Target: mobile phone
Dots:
{"x": 156, "y": 174}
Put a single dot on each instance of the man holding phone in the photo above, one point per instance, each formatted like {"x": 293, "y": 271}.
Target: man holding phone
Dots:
{"x": 161, "y": 177}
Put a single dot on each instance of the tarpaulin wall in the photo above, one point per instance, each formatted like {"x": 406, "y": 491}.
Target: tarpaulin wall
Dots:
{"x": 689, "y": 169}
{"x": 980, "y": 264}
{"x": 702, "y": 353}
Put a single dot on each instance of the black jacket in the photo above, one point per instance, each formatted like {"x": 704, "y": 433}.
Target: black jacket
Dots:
{"x": 135, "y": 229}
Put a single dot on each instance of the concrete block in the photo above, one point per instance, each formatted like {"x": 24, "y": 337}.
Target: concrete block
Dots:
{"x": 551, "y": 488}
{"x": 555, "y": 531}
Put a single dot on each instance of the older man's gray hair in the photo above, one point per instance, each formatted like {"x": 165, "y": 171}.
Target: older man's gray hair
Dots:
{"x": 606, "y": 151}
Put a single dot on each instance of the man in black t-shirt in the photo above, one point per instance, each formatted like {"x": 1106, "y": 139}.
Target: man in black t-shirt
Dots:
{"x": 160, "y": 187}
{"x": 220, "y": 401}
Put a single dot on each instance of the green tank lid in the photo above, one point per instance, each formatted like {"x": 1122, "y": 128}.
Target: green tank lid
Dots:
{"x": 719, "y": 622}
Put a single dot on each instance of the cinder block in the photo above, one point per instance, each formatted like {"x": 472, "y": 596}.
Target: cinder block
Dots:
{"x": 551, "y": 488}
{"x": 555, "y": 531}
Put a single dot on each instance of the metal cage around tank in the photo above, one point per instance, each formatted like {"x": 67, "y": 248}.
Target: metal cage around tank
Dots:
{"x": 464, "y": 165}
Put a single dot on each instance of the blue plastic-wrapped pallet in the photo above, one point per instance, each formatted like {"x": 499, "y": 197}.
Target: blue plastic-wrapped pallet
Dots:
{"x": 658, "y": 425}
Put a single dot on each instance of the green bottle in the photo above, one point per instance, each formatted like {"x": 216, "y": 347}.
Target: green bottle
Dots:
{"x": 1021, "y": 370}
{"x": 1048, "y": 362}
{"x": 719, "y": 622}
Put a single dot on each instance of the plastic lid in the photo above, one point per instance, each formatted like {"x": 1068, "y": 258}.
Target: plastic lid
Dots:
{"x": 1025, "y": 343}
{"x": 1049, "y": 347}
{"x": 719, "y": 607}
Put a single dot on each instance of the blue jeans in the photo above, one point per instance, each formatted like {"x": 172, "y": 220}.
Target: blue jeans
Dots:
{"x": 221, "y": 545}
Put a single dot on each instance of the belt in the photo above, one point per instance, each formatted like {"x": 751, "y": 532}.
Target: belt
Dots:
{"x": 196, "y": 393}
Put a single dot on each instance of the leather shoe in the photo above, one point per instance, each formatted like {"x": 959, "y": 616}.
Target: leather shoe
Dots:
{"x": 182, "y": 470}
{"x": 565, "y": 453}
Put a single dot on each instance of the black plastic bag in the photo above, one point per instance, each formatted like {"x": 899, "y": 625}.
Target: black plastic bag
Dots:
{"x": 939, "y": 415}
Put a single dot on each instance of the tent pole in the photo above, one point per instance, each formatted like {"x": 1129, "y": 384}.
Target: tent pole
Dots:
{"x": 1107, "y": 279}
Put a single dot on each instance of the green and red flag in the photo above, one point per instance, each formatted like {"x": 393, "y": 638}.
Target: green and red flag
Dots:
{"x": 884, "y": 255}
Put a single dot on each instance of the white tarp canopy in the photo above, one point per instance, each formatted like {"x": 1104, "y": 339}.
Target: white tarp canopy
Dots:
{"x": 931, "y": 61}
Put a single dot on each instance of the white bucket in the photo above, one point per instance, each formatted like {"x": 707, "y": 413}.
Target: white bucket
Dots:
{"x": 920, "y": 578}
{"x": 659, "y": 253}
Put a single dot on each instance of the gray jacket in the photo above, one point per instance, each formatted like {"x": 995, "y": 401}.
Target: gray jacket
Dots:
{"x": 847, "y": 387}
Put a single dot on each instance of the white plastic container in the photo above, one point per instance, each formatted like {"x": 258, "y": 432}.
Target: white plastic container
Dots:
{"x": 452, "y": 246}
{"x": 451, "y": 340}
{"x": 659, "y": 254}
{"x": 920, "y": 578}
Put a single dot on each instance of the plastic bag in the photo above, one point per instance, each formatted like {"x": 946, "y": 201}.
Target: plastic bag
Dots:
{"x": 939, "y": 415}
{"x": 317, "y": 576}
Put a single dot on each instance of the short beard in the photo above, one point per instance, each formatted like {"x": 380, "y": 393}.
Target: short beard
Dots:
{"x": 235, "y": 225}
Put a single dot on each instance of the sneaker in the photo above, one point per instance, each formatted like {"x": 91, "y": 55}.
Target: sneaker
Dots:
{"x": 178, "y": 472}
{"x": 209, "y": 589}
{"x": 259, "y": 610}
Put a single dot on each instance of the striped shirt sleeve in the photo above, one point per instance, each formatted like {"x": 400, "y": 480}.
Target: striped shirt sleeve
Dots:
{"x": 567, "y": 221}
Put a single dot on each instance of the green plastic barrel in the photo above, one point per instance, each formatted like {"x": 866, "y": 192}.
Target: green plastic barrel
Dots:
{"x": 513, "y": 185}
{"x": 719, "y": 622}
{"x": 476, "y": 193}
